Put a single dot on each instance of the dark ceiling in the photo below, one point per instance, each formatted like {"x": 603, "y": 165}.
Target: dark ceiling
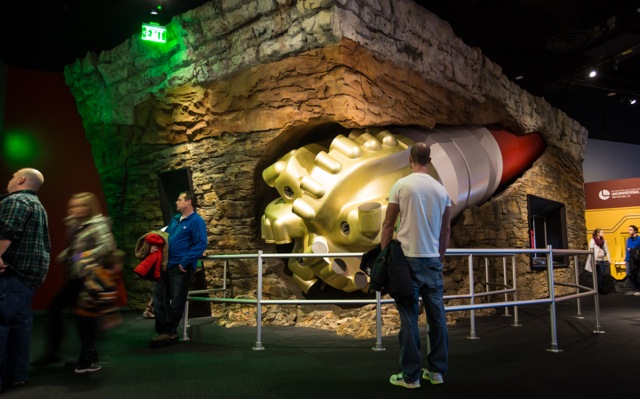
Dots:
{"x": 552, "y": 44}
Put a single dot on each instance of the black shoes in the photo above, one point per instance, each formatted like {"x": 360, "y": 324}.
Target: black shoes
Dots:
{"x": 164, "y": 340}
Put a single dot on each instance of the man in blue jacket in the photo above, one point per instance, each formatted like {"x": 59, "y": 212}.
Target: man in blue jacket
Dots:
{"x": 187, "y": 241}
{"x": 633, "y": 269}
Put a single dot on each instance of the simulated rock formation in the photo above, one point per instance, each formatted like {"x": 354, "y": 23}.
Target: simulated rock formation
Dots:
{"x": 242, "y": 82}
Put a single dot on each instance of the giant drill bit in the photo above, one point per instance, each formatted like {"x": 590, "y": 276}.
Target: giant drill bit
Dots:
{"x": 334, "y": 201}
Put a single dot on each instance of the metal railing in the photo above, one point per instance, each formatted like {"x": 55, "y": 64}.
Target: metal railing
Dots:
{"x": 508, "y": 287}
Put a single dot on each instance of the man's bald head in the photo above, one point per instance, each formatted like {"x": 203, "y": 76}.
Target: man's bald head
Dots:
{"x": 26, "y": 179}
{"x": 420, "y": 154}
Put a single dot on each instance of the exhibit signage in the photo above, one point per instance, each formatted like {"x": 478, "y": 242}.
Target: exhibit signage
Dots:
{"x": 612, "y": 194}
{"x": 154, "y": 33}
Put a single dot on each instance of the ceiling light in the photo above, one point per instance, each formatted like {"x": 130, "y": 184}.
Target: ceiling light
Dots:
{"x": 593, "y": 73}
{"x": 611, "y": 93}
{"x": 156, "y": 10}
{"x": 632, "y": 101}
{"x": 519, "y": 77}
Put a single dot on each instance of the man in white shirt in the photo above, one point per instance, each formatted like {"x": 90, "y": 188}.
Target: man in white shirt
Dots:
{"x": 424, "y": 208}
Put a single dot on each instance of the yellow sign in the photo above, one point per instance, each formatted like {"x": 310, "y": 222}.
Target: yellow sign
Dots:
{"x": 612, "y": 206}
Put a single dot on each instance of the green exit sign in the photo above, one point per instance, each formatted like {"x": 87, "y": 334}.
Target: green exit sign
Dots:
{"x": 154, "y": 33}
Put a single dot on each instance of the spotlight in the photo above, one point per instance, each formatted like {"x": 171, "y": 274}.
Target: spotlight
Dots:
{"x": 157, "y": 9}
{"x": 593, "y": 73}
{"x": 611, "y": 94}
{"x": 519, "y": 77}
{"x": 632, "y": 101}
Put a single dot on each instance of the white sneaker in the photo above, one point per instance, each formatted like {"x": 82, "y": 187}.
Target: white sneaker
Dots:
{"x": 432, "y": 377}
{"x": 91, "y": 368}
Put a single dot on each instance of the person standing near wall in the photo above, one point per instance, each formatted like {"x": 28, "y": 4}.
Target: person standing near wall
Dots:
{"x": 24, "y": 262}
{"x": 187, "y": 241}
{"x": 600, "y": 262}
{"x": 424, "y": 208}
{"x": 631, "y": 259}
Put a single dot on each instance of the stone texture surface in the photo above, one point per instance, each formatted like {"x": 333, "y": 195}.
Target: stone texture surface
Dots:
{"x": 242, "y": 82}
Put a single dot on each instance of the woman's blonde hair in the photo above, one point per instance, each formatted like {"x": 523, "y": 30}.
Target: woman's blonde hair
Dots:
{"x": 90, "y": 200}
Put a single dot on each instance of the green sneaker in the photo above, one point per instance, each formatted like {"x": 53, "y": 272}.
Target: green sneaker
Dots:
{"x": 432, "y": 377}
{"x": 398, "y": 379}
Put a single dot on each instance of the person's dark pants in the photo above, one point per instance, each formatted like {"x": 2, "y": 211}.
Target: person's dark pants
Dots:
{"x": 632, "y": 274}
{"x": 88, "y": 328}
{"x": 602, "y": 269}
{"x": 169, "y": 299}
{"x": 66, "y": 297}
{"x": 16, "y": 322}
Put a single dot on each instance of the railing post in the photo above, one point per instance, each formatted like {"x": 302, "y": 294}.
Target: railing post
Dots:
{"x": 185, "y": 321}
{"x": 505, "y": 284}
{"x": 224, "y": 282}
{"x": 258, "y": 345}
{"x": 514, "y": 277}
{"x": 552, "y": 305}
{"x": 596, "y": 299}
{"x": 486, "y": 274}
{"x": 378, "y": 346}
{"x": 577, "y": 277}
{"x": 224, "y": 278}
{"x": 472, "y": 314}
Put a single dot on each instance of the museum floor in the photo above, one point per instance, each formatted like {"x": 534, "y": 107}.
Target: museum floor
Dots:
{"x": 218, "y": 362}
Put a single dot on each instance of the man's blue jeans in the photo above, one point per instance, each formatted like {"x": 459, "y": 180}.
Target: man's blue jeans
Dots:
{"x": 16, "y": 322}
{"x": 169, "y": 299}
{"x": 427, "y": 283}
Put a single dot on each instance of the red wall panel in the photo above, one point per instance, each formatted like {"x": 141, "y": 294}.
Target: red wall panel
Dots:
{"x": 40, "y": 104}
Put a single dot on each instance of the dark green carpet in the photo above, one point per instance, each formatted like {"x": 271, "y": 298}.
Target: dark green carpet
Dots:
{"x": 505, "y": 362}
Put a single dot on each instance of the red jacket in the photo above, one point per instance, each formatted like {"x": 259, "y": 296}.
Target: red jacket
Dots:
{"x": 150, "y": 267}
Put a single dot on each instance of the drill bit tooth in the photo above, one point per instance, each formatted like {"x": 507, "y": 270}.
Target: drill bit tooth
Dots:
{"x": 328, "y": 163}
{"x": 303, "y": 210}
{"x": 366, "y": 141}
{"x": 312, "y": 187}
{"x": 346, "y": 147}
{"x": 270, "y": 174}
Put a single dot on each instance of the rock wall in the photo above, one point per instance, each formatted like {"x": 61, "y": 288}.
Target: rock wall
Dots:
{"x": 242, "y": 82}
